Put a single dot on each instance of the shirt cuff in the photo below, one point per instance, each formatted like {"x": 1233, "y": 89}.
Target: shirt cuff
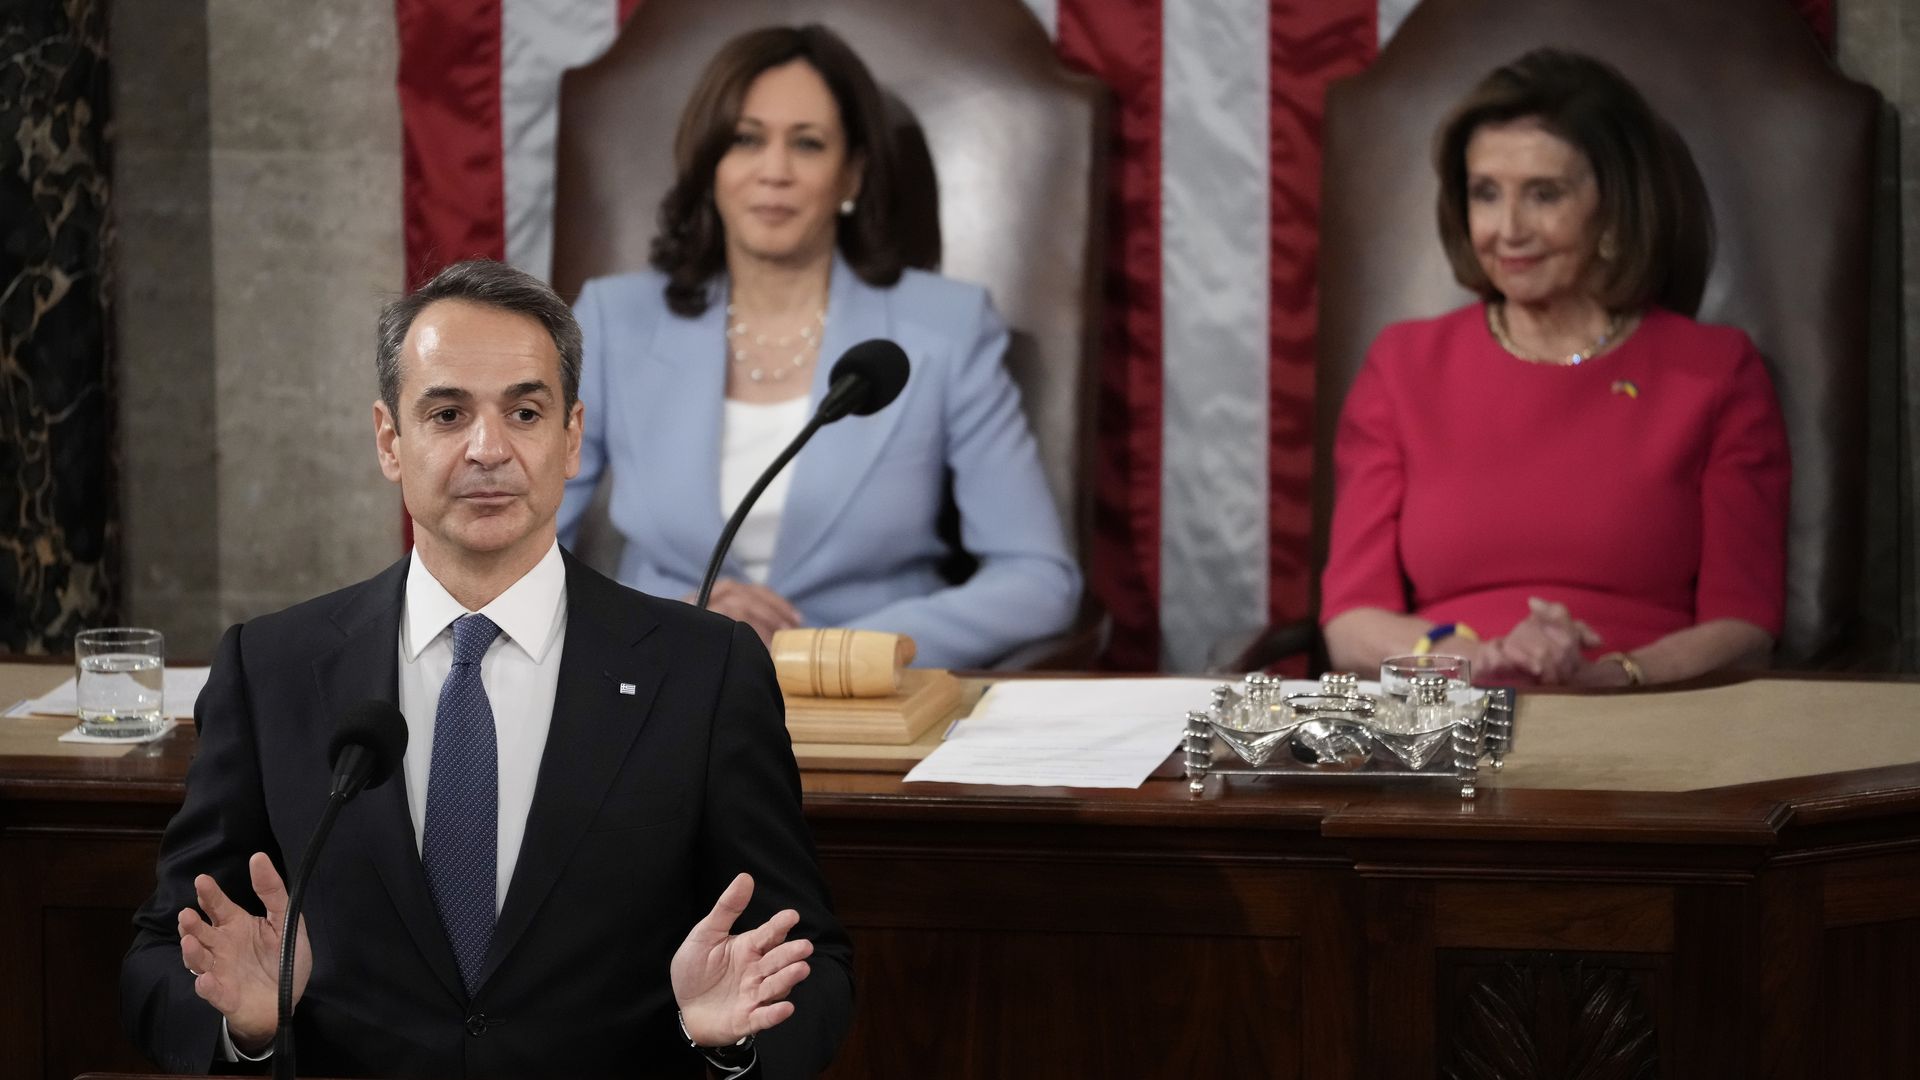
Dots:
{"x": 732, "y": 1072}
{"x": 232, "y": 1053}
{"x": 725, "y": 1062}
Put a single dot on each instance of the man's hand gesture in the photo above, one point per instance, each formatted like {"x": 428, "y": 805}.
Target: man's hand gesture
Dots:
{"x": 728, "y": 985}
{"x": 235, "y": 955}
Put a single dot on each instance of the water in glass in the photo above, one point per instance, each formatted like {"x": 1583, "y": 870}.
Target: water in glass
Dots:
{"x": 120, "y": 677}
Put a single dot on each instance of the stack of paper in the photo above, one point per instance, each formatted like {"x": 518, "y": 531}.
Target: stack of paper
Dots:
{"x": 1067, "y": 732}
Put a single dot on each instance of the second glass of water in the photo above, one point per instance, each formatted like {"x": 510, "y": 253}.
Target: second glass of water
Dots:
{"x": 1398, "y": 672}
{"x": 120, "y": 678}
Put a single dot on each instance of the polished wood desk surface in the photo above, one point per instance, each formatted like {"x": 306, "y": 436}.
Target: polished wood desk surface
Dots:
{"x": 1726, "y": 879}
{"x": 1719, "y": 761}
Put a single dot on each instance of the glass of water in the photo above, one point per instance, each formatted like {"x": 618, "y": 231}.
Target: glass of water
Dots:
{"x": 121, "y": 671}
{"x": 1398, "y": 672}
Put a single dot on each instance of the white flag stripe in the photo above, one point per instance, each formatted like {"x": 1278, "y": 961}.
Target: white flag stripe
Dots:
{"x": 1048, "y": 12}
{"x": 1389, "y": 16}
{"x": 1214, "y": 299}
{"x": 539, "y": 41}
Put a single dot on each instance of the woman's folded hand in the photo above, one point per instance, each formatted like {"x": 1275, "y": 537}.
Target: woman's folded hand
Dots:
{"x": 1546, "y": 645}
{"x": 756, "y": 605}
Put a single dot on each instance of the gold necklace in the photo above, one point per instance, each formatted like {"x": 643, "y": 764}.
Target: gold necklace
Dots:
{"x": 1497, "y": 323}
{"x": 807, "y": 338}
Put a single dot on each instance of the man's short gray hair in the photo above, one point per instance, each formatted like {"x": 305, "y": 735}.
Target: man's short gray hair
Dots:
{"x": 496, "y": 285}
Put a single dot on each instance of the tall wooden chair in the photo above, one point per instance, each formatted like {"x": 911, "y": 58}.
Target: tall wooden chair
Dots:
{"x": 1785, "y": 144}
{"x": 1012, "y": 143}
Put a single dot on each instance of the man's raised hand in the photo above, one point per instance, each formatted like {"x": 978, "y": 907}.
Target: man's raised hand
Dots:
{"x": 728, "y": 985}
{"x": 235, "y": 955}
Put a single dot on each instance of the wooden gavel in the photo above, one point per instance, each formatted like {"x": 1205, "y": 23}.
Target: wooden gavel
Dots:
{"x": 837, "y": 663}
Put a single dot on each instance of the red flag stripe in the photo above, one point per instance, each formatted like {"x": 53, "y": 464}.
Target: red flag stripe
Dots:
{"x": 453, "y": 204}
{"x": 1310, "y": 46}
{"x": 1120, "y": 42}
{"x": 449, "y": 87}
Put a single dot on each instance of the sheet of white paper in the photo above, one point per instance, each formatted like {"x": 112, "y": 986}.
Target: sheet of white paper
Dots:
{"x": 1067, "y": 732}
{"x": 181, "y": 688}
{"x": 78, "y": 736}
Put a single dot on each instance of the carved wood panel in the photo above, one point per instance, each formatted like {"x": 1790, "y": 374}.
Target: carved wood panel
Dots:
{"x": 1550, "y": 1016}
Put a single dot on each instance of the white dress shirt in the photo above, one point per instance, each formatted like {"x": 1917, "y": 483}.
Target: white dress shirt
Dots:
{"x": 520, "y": 672}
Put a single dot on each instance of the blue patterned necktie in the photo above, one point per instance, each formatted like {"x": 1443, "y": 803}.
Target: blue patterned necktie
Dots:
{"x": 461, "y": 846}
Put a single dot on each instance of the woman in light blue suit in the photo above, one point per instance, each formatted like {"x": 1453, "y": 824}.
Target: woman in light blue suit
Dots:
{"x": 775, "y": 256}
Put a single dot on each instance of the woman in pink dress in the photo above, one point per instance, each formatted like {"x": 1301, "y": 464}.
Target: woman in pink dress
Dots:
{"x": 1570, "y": 481}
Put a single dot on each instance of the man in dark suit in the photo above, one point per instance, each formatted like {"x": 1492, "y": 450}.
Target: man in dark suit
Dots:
{"x": 587, "y": 768}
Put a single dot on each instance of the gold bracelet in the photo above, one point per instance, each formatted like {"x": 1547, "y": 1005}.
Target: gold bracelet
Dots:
{"x": 1636, "y": 675}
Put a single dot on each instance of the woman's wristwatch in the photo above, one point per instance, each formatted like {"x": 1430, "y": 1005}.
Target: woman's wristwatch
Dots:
{"x": 1636, "y": 675}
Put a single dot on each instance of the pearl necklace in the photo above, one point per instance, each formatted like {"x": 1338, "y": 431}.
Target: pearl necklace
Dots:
{"x": 806, "y": 341}
{"x": 1497, "y": 322}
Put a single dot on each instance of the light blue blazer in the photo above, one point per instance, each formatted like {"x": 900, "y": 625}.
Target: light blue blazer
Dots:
{"x": 856, "y": 545}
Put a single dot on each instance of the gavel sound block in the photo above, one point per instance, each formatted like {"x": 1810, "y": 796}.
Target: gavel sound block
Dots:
{"x": 853, "y": 686}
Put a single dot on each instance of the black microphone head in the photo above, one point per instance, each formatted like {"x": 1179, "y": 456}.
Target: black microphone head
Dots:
{"x": 879, "y": 365}
{"x": 378, "y": 728}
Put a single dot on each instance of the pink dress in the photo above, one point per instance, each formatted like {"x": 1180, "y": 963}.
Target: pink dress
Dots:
{"x": 1646, "y": 489}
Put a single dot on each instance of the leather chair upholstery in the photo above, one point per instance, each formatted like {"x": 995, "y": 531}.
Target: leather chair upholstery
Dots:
{"x": 1786, "y": 147}
{"x": 1016, "y": 142}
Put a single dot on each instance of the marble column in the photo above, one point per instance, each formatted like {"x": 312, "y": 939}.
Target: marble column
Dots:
{"x": 260, "y": 231}
{"x": 59, "y": 521}
{"x": 307, "y": 246}
{"x": 164, "y": 316}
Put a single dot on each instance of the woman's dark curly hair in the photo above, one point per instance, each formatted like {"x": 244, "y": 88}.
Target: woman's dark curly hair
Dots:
{"x": 691, "y": 246}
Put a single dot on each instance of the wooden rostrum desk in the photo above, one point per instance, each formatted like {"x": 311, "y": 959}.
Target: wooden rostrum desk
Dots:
{"x": 1721, "y": 882}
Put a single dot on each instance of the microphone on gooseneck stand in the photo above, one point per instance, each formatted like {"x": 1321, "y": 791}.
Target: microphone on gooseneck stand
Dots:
{"x": 862, "y": 383}
{"x": 367, "y": 745}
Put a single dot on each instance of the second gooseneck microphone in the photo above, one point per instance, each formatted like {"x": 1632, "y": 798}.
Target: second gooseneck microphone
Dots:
{"x": 368, "y": 744}
{"x": 863, "y": 382}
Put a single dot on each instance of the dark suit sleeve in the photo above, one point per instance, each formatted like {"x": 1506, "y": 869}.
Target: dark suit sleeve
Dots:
{"x": 753, "y": 822}
{"x": 222, "y": 822}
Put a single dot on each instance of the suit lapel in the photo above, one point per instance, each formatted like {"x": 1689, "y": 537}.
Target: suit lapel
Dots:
{"x": 679, "y": 412}
{"x": 835, "y": 464}
{"x": 366, "y": 666}
{"x": 595, "y": 720}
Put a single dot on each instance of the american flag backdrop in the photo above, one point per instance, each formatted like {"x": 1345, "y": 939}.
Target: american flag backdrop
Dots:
{"x": 1203, "y": 497}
